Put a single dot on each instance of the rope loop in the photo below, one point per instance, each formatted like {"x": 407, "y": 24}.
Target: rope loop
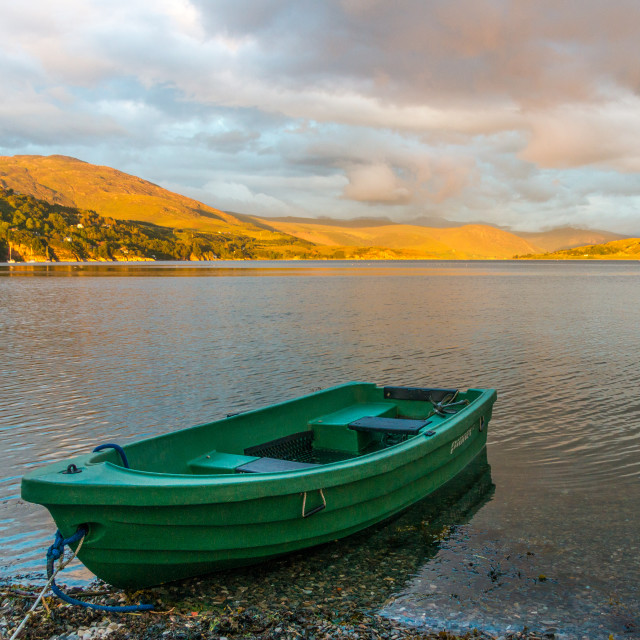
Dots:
{"x": 305, "y": 513}
{"x": 56, "y": 550}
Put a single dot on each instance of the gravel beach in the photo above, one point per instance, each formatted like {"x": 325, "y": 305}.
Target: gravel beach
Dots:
{"x": 177, "y": 617}
{"x": 333, "y": 591}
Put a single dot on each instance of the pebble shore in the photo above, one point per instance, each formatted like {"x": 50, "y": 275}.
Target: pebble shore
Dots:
{"x": 334, "y": 592}
{"x": 304, "y": 619}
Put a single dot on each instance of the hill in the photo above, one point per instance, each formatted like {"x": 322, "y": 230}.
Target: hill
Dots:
{"x": 468, "y": 242}
{"x": 74, "y": 184}
{"x": 111, "y": 193}
{"x": 627, "y": 249}
{"x": 410, "y": 241}
{"x": 568, "y": 238}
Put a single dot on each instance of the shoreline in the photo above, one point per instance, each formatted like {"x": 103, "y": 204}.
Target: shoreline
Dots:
{"x": 205, "y": 610}
{"x": 164, "y": 263}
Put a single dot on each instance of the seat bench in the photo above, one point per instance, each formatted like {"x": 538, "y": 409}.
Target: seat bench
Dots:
{"x": 216, "y": 462}
{"x": 346, "y": 415}
{"x": 332, "y": 430}
{"x": 273, "y": 465}
{"x": 401, "y": 426}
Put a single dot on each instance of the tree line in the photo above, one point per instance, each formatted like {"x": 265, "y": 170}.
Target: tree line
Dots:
{"x": 55, "y": 232}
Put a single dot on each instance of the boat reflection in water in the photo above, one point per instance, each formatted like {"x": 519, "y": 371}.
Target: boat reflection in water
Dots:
{"x": 365, "y": 571}
{"x": 419, "y": 533}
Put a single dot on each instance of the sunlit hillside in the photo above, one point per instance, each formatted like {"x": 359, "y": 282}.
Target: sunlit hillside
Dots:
{"x": 567, "y": 238}
{"x": 549, "y": 240}
{"x": 65, "y": 181}
{"x": 627, "y": 249}
{"x": 465, "y": 242}
{"x": 112, "y": 193}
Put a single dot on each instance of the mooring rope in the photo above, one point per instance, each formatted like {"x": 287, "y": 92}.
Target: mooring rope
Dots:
{"x": 51, "y": 580}
{"x": 55, "y": 551}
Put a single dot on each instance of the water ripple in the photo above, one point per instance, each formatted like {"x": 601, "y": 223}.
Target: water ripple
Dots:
{"x": 87, "y": 359}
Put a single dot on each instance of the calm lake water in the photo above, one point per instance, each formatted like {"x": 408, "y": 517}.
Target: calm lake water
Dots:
{"x": 93, "y": 354}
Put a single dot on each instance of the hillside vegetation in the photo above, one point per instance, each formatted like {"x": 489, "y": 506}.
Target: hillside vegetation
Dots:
{"x": 627, "y": 249}
{"x": 35, "y": 230}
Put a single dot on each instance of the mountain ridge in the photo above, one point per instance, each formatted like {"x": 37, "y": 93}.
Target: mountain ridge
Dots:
{"x": 547, "y": 240}
{"x": 465, "y": 242}
{"x": 111, "y": 193}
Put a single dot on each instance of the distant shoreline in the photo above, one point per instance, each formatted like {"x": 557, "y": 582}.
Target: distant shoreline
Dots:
{"x": 150, "y": 263}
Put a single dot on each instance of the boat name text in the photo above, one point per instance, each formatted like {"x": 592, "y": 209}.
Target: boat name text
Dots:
{"x": 461, "y": 440}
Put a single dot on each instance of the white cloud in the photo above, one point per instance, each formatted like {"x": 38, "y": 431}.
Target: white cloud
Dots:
{"x": 376, "y": 183}
{"x": 238, "y": 197}
{"x": 576, "y": 135}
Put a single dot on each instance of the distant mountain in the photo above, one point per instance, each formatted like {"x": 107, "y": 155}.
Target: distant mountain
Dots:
{"x": 438, "y": 222}
{"x": 567, "y": 237}
{"x": 627, "y": 249}
{"x": 353, "y": 223}
{"x": 469, "y": 242}
{"x": 435, "y": 222}
{"x": 550, "y": 240}
{"x": 464, "y": 242}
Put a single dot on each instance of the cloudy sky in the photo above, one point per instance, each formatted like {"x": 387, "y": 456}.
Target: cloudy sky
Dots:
{"x": 523, "y": 113}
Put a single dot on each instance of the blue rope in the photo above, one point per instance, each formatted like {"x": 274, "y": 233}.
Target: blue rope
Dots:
{"x": 118, "y": 448}
{"x": 56, "y": 550}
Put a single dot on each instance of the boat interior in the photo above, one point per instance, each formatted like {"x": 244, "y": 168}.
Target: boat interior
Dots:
{"x": 329, "y": 426}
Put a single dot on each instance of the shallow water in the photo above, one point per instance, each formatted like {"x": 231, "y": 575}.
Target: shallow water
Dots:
{"x": 101, "y": 353}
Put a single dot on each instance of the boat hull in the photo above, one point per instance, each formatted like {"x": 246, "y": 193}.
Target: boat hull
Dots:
{"x": 147, "y": 528}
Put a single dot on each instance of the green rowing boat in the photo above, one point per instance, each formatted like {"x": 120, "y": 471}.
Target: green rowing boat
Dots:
{"x": 263, "y": 483}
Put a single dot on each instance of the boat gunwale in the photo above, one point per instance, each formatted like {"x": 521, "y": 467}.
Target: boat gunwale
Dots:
{"x": 224, "y": 487}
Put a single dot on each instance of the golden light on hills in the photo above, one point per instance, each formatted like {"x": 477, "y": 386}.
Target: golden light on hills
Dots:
{"x": 626, "y": 249}
{"x": 568, "y": 238}
{"x": 466, "y": 242}
{"x": 112, "y": 193}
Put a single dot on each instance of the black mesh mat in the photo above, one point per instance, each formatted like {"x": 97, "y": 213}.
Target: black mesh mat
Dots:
{"x": 297, "y": 447}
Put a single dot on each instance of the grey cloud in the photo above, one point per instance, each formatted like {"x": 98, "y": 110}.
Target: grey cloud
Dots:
{"x": 231, "y": 141}
{"x": 583, "y": 135}
{"x": 417, "y": 50}
{"x": 29, "y": 118}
